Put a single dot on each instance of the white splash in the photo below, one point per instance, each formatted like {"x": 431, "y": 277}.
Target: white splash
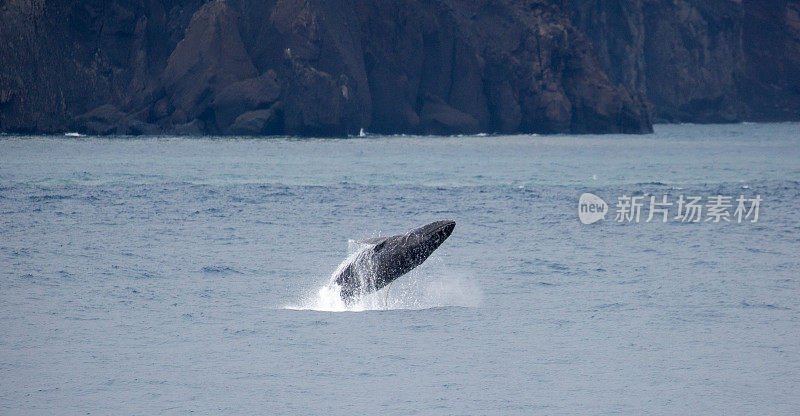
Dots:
{"x": 422, "y": 288}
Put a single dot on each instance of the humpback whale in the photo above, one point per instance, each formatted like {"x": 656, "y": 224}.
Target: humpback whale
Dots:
{"x": 382, "y": 260}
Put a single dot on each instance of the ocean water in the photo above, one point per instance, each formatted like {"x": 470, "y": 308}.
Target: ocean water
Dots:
{"x": 176, "y": 275}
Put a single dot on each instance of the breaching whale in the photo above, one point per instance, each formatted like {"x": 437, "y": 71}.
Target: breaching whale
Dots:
{"x": 382, "y": 260}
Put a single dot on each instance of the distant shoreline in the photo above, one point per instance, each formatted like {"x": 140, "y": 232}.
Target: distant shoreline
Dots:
{"x": 77, "y": 135}
{"x": 323, "y": 69}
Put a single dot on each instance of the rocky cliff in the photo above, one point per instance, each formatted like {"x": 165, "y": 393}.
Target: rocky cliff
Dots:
{"x": 700, "y": 60}
{"x": 333, "y": 67}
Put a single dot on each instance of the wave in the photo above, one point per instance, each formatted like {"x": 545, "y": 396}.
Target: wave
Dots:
{"x": 220, "y": 270}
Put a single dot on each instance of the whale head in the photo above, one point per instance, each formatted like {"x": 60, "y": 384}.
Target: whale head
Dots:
{"x": 430, "y": 236}
{"x": 397, "y": 256}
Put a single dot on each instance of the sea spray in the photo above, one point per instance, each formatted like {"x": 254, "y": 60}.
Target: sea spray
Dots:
{"x": 425, "y": 288}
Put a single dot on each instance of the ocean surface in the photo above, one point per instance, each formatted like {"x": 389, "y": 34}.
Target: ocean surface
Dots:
{"x": 168, "y": 276}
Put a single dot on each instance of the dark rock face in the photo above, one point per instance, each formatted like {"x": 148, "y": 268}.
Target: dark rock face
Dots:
{"x": 500, "y": 66}
{"x": 617, "y": 32}
{"x": 240, "y": 97}
{"x": 694, "y": 61}
{"x": 210, "y": 58}
{"x": 701, "y": 60}
{"x": 330, "y": 68}
{"x": 259, "y": 122}
{"x": 771, "y": 83}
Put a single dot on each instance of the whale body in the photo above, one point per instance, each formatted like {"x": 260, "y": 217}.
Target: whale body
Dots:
{"x": 382, "y": 260}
